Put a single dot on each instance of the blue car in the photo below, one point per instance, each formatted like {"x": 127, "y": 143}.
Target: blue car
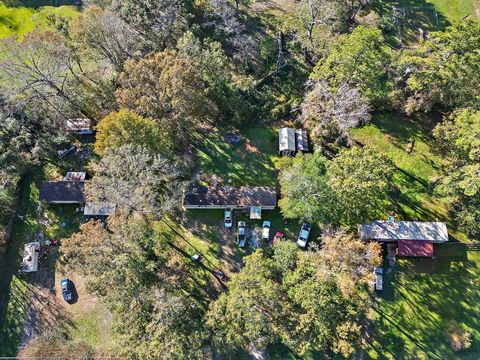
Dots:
{"x": 67, "y": 289}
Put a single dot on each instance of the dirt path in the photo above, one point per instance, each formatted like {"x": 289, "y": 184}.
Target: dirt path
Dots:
{"x": 228, "y": 253}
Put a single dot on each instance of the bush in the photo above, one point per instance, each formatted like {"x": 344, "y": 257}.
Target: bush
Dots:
{"x": 457, "y": 337}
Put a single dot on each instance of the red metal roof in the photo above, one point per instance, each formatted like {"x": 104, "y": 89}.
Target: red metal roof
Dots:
{"x": 417, "y": 248}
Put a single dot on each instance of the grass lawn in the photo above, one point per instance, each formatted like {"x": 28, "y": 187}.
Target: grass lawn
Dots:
{"x": 420, "y": 296}
{"x": 251, "y": 162}
{"x": 19, "y": 18}
{"x": 415, "y": 172}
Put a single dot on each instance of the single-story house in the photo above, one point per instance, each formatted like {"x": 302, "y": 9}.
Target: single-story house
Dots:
{"x": 79, "y": 126}
{"x": 99, "y": 209}
{"x": 413, "y": 238}
{"x": 62, "y": 192}
{"x": 212, "y": 197}
{"x": 31, "y": 254}
{"x": 75, "y": 176}
{"x": 291, "y": 141}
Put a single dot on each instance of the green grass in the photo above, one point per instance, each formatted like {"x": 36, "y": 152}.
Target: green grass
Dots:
{"x": 16, "y": 19}
{"x": 252, "y": 162}
{"x": 416, "y": 171}
{"x": 420, "y": 297}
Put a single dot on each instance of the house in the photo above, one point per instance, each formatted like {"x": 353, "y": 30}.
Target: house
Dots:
{"x": 413, "y": 238}
{"x": 291, "y": 141}
{"x": 99, "y": 209}
{"x": 31, "y": 254}
{"x": 62, "y": 192}
{"x": 286, "y": 142}
{"x": 212, "y": 197}
{"x": 79, "y": 126}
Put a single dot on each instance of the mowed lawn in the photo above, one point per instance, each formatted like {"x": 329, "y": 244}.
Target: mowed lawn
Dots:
{"x": 420, "y": 297}
{"x": 19, "y": 18}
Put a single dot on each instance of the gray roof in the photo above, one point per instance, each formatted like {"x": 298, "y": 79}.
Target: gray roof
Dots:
{"x": 286, "y": 139}
{"x": 99, "y": 209}
{"x": 62, "y": 191}
{"x": 404, "y": 230}
{"x": 231, "y": 196}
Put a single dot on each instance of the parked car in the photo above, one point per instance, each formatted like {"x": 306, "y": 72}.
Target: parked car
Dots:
{"x": 266, "y": 230}
{"x": 242, "y": 234}
{"x": 304, "y": 234}
{"x": 228, "y": 218}
{"x": 67, "y": 289}
{"x": 278, "y": 236}
{"x": 220, "y": 274}
{"x": 378, "y": 278}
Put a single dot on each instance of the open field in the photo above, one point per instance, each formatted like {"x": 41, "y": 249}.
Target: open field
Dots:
{"x": 19, "y": 18}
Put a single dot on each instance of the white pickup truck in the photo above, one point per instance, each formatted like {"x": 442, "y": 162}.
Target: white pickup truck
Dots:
{"x": 266, "y": 231}
{"x": 378, "y": 278}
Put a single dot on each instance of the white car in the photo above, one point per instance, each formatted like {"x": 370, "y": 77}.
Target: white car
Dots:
{"x": 266, "y": 231}
{"x": 304, "y": 234}
{"x": 242, "y": 234}
{"x": 228, "y": 218}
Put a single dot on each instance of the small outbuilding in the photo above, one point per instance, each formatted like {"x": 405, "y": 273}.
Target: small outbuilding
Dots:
{"x": 62, "y": 192}
{"x": 212, "y": 197}
{"x": 79, "y": 126}
{"x": 301, "y": 140}
{"x": 286, "y": 142}
{"x": 31, "y": 254}
{"x": 99, "y": 209}
{"x": 75, "y": 176}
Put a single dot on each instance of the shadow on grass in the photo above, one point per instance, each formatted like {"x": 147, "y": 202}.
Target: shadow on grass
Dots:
{"x": 39, "y": 3}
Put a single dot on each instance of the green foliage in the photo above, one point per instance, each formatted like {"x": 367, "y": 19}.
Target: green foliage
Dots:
{"x": 137, "y": 180}
{"x": 348, "y": 190}
{"x": 360, "y": 58}
{"x": 296, "y": 298}
{"x": 126, "y": 127}
{"x": 458, "y": 141}
{"x": 305, "y": 192}
{"x": 444, "y": 71}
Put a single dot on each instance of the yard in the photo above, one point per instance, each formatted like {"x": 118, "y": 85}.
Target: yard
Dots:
{"x": 21, "y": 17}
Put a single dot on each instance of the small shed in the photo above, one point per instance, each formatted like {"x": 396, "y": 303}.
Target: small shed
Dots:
{"x": 286, "y": 142}
{"x": 100, "y": 209}
{"x": 79, "y": 126}
{"x": 301, "y": 139}
{"x": 31, "y": 254}
{"x": 75, "y": 176}
{"x": 256, "y": 212}
{"x": 62, "y": 192}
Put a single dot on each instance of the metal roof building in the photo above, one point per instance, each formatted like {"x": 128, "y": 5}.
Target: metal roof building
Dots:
{"x": 404, "y": 230}
{"x": 286, "y": 142}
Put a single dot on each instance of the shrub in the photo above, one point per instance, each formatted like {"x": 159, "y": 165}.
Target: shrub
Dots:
{"x": 457, "y": 337}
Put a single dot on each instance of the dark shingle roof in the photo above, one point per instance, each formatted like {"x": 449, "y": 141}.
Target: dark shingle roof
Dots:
{"x": 62, "y": 191}
{"x": 231, "y": 196}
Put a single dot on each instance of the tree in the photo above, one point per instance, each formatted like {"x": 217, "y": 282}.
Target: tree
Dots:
{"x": 350, "y": 189}
{"x": 360, "y": 58}
{"x": 330, "y": 114}
{"x": 137, "y": 180}
{"x": 360, "y": 180}
{"x": 444, "y": 71}
{"x": 126, "y": 127}
{"x": 106, "y": 34}
{"x": 42, "y": 68}
{"x": 161, "y": 21}
{"x": 252, "y": 311}
{"x": 305, "y": 192}
{"x": 169, "y": 88}
{"x": 134, "y": 270}
{"x": 457, "y": 142}
{"x": 226, "y": 21}
{"x": 217, "y": 72}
